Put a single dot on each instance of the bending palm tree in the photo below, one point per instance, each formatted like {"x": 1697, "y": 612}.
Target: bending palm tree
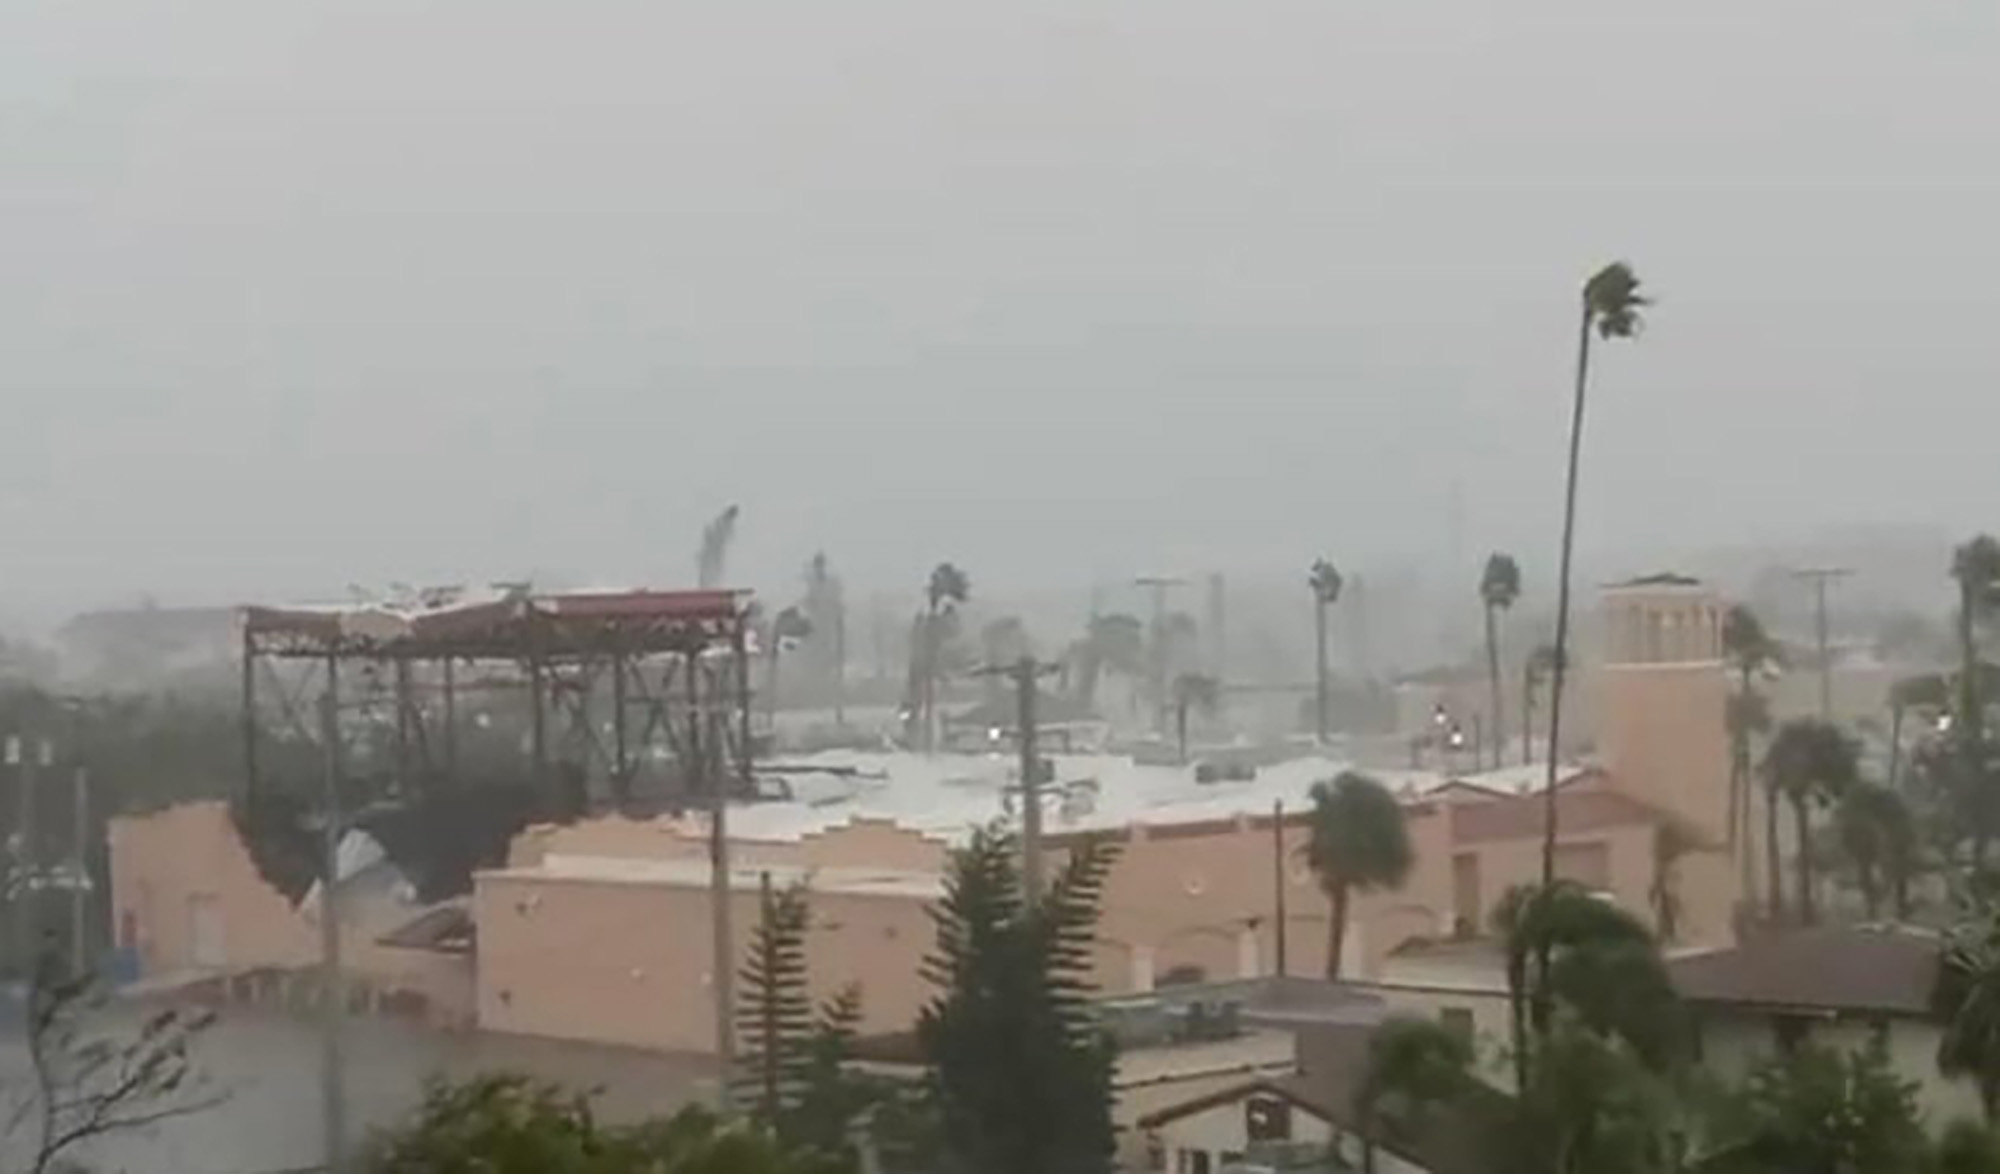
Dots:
{"x": 948, "y": 588}
{"x": 1413, "y": 1064}
{"x": 1748, "y": 717}
{"x": 1809, "y": 762}
{"x": 1564, "y": 945}
{"x": 1359, "y": 843}
{"x": 1611, "y": 308}
{"x": 1325, "y": 584}
{"x": 1113, "y": 643}
{"x": 1878, "y": 835}
{"x": 1499, "y": 587}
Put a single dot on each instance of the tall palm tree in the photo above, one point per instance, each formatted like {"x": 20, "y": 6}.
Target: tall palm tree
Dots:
{"x": 1192, "y": 691}
{"x": 1611, "y": 310}
{"x": 1976, "y": 567}
{"x": 1113, "y": 643}
{"x": 1557, "y": 940}
{"x": 1534, "y": 670}
{"x": 1748, "y": 717}
{"x": 948, "y": 588}
{"x": 1811, "y": 763}
{"x": 1749, "y": 651}
{"x": 1499, "y": 587}
{"x": 826, "y": 610}
{"x": 1359, "y": 843}
{"x": 713, "y": 557}
{"x": 1878, "y": 835}
{"x": 1325, "y": 582}
{"x": 1413, "y": 1064}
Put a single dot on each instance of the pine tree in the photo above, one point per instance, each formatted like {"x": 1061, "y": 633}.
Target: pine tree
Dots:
{"x": 1020, "y": 1070}
{"x": 830, "y": 1097}
{"x": 774, "y": 1013}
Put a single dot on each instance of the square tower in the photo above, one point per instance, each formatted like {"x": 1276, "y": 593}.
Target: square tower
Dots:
{"x": 1662, "y": 696}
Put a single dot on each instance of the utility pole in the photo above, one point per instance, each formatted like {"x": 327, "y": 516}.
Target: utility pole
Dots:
{"x": 722, "y": 946}
{"x": 332, "y": 990}
{"x": 21, "y": 753}
{"x": 1819, "y": 577}
{"x": 80, "y": 874}
{"x": 1278, "y": 883}
{"x": 1024, "y": 673}
{"x": 1031, "y": 780}
{"x": 1160, "y": 585}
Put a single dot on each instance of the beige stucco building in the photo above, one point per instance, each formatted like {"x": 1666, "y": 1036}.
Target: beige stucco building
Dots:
{"x": 619, "y": 951}
{"x": 599, "y": 930}
{"x": 190, "y": 903}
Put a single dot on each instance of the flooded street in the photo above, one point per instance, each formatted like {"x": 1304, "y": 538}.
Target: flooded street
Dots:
{"x": 266, "y": 1066}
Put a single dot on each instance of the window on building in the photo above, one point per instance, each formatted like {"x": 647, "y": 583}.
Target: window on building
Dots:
{"x": 1267, "y": 1119}
{"x": 1191, "y": 1162}
{"x": 1458, "y": 1020}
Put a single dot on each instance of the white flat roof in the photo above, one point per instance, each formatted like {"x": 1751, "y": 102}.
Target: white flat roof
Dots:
{"x": 949, "y": 795}
{"x": 560, "y": 867}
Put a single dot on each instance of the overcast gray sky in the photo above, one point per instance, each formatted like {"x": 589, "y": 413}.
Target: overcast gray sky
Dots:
{"x": 312, "y": 292}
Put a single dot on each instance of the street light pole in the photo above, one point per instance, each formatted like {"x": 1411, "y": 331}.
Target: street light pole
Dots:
{"x": 1031, "y": 780}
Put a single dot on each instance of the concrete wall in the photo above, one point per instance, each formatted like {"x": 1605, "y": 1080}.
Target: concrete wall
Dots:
{"x": 630, "y": 963}
{"x": 187, "y": 896}
{"x": 182, "y": 872}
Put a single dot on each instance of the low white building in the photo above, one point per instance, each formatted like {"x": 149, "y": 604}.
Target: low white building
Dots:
{"x": 1836, "y": 987}
{"x": 1307, "y": 1120}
